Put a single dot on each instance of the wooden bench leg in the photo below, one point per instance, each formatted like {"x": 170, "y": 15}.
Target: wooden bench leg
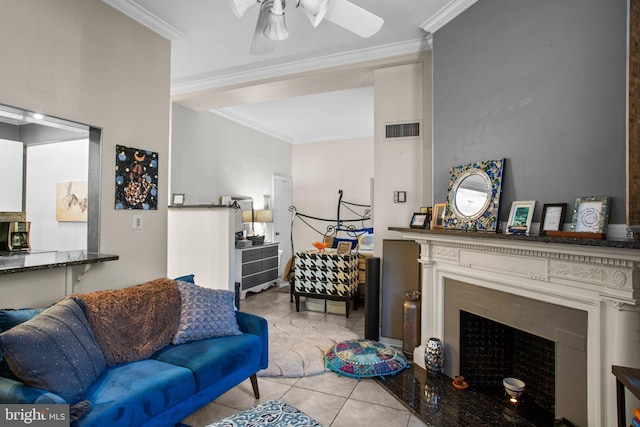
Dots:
{"x": 254, "y": 384}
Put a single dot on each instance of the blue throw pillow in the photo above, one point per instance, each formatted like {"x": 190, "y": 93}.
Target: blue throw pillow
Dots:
{"x": 11, "y": 317}
{"x": 205, "y": 313}
{"x": 188, "y": 278}
{"x": 55, "y": 351}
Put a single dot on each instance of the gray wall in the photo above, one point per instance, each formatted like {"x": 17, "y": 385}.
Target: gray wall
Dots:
{"x": 541, "y": 84}
{"x": 212, "y": 156}
{"x": 8, "y": 131}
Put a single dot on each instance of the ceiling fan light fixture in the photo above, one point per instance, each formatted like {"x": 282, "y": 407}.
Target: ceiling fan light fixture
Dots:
{"x": 276, "y": 29}
{"x": 240, "y": 7}
{"x": 314, "y": 10}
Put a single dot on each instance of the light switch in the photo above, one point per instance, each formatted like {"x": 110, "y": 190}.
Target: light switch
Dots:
{"x": 137, "y": 222}
{"x": 399, "y": 196}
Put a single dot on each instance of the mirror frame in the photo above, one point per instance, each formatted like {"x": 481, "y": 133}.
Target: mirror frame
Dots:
{"x": 487, "y": 218}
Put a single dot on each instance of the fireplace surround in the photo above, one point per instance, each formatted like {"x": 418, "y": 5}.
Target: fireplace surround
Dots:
{"x": 583, "y": 295}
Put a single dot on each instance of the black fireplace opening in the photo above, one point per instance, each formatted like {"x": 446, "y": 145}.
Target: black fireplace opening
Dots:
{"x": 491, "y": 351}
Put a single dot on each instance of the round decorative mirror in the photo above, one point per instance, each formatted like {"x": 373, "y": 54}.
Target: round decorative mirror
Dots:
{"x": 473, "y": 196}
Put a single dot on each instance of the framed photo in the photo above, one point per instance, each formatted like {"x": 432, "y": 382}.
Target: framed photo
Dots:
{"x": 344, "y": 248}
{"x": 520, "y": 217}
{"x": 591, "y": 214}
{"x": 552, "y": 217}
{"x": 419, "y": 220}
{"x": 177, "y": 199}
{"x": 437, "y": 220}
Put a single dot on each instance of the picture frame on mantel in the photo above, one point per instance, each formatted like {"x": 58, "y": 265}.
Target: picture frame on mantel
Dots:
{"x": 437, "y": 220}
{"x": 419, "y": 220}
{"x": 591, "y": 214}
{"x": 520, "y": 217}
{"x": 552, "y": 217}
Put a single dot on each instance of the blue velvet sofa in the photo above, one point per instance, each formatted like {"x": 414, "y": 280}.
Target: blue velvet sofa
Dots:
{"x": 164, "y": 388}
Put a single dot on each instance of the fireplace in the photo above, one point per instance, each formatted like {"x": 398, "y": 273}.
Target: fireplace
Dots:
{"x": 491, "y": 351}
{"x": 565, "y": 328}
{"x": 584, "y": 298}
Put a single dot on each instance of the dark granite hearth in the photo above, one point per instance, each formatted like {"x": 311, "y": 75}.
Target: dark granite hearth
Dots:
{"x": 438, "y": 403}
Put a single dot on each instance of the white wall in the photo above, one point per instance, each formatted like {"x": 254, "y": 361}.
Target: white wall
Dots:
{"x": 319, "y": 170}
{"x": 47, "y": 165}
{"x": 11, "y": 176}
{"x": 399, "y": 164}
{"x": 212, "y": 156}
{"x": 84, "y": 61}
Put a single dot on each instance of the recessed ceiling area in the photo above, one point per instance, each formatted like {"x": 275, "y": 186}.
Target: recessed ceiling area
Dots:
{"x": 329, "y": 116}
{"x": 210, "y": 50}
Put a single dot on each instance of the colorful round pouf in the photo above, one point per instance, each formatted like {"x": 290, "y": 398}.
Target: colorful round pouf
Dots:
{"x": 364, "y": 359}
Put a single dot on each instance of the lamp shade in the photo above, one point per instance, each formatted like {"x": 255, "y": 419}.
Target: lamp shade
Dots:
{"x": 264, "y": 215}
{"x": 246, "y": 216}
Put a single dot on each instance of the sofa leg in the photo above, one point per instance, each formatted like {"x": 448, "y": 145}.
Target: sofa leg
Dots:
{"x": 297, "y": 303}
{"x": 254, "y": 384}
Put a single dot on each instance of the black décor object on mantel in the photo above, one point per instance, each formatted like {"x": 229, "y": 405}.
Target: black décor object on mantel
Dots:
{"x": 372, "y": 300}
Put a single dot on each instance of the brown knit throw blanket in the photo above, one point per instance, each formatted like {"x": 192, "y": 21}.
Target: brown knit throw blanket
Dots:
{"x": 133, "y": 323}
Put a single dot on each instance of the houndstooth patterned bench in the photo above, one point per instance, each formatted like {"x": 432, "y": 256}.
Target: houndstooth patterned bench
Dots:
{"x": 326, "y": 275}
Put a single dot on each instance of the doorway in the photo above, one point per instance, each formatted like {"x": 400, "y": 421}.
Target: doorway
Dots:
{"x": 282, "y": 218}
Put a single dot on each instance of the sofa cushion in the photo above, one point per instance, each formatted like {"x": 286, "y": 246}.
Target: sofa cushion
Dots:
{"x": 131, "y": 393}
{"x": 10, "y": 317}
{"x": 205, "y": 313}
{"x": 215, "y": 358}
{"x": 189, "y": 278}
{"x": 55, "y": 351}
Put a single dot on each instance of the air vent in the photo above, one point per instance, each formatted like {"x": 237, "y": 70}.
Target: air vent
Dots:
{"x": 402, "y": 130}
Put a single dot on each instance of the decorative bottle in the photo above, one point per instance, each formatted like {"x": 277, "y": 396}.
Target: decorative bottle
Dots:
{"x": 433, "y": 356}
{"x": 410, "y": 323}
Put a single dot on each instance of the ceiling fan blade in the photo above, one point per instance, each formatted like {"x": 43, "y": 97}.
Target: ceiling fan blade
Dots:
{"x": 260, "y": 44}
{"x": 314, "y": 10}
{"x": 353, "y": 18}
{"x": 240, "y": 7}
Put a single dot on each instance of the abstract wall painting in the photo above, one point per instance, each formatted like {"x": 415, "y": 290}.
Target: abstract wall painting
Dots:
{"x": 136, "y": 178}
{"x": 72, "y": 201}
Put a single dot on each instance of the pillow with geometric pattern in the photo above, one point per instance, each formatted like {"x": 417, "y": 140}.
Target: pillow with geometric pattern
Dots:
{"x": 205, "y": 313}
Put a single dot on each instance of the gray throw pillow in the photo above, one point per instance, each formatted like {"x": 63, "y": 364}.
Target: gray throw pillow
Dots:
{"x": 55, "y": 351}
{"x": 205, "y": 313}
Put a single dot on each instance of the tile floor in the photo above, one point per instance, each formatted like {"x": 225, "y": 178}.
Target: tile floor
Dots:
{"x": 332, "y": 400}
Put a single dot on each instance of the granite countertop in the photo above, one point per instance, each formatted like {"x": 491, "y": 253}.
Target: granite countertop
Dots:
{"x": 536, "y": 239}
{"x": 18, "y": 262}
{"x": 200, "y": 206}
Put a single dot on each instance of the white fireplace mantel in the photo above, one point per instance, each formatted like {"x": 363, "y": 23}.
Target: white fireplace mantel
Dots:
{"x": 600, "y": 278}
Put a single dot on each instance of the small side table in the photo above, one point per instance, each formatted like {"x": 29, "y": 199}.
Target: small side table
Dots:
{"x": 629, "y": 378}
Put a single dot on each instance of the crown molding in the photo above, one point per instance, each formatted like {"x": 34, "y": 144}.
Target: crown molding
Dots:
{"x": 251, "y": 124}
{"x": 146, "y": 18}
{"x": 285, "y": 138}
{"x": 446, "y": 14}
{"x": 204, "y": 81}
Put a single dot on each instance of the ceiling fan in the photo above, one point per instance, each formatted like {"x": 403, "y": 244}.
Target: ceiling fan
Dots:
{"x": 271, "y": 25}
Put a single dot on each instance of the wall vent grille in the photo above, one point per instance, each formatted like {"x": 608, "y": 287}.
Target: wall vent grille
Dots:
{"x": 402, "y": 130}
